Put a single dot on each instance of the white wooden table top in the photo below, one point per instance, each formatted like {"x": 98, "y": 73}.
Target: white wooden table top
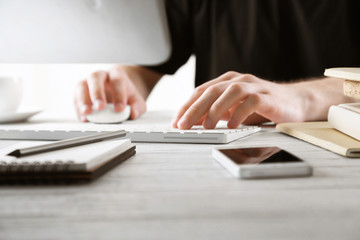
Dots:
{"x": 177, "y": 191}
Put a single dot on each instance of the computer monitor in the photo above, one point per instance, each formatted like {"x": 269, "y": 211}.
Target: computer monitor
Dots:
{"x": 83, "y": 31}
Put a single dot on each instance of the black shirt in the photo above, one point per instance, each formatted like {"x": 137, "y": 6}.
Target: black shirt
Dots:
{"x": 278, "y": 40}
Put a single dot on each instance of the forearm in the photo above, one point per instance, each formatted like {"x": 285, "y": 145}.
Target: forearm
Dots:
{"x": 318, "y": 95}
{"x": 143, "y": 78}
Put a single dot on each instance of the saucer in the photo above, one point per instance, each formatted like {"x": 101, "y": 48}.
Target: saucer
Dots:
{"x": 12, "y": 117}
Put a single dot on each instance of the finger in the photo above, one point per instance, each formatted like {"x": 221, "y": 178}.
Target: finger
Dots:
{"x": 255, "y": 119}
{"x": 226, "y": 116}
{"x": 96, "y": 83}
{"x": 138, "y": 106}
{"x": 198, "y": 92}
{"x": 201, "y": 106}
{"x": 255, "y": 103}
{"x": 82, "y": 100}
{"x": 234, "y": 94}
{"x": 201, "y": 120}
{"x": 117, "y": 81}
{"x": 224, "y": 77}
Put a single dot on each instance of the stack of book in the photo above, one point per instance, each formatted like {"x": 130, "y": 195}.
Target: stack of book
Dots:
{"x": 346, "y": 117}
{"x": 341, "y": 133}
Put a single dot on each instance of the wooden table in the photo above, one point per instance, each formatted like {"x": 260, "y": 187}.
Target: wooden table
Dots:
{"x": 177, "y": 191}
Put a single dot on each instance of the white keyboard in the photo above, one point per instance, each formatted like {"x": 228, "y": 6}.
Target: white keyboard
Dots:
{"x": 137, "y": 133}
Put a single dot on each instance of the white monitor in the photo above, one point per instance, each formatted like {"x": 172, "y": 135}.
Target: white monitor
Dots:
{"x": 83, "y": 31}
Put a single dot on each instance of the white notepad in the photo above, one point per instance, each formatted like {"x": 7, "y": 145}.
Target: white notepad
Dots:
{"x": 78, "y": 159}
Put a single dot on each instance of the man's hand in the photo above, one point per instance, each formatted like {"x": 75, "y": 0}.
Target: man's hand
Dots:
{"x": 121, "y": 85}
{"x": 242, "y": 98}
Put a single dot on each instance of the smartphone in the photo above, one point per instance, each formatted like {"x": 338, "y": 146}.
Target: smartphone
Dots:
{"x": 261, "y": 162}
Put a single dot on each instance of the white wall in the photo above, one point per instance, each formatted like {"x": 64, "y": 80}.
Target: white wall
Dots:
{"x": 173, "y": 91}
{"x": 51, "y": 86}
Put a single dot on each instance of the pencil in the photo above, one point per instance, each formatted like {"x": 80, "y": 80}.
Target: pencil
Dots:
{"x": 72, "y": 142}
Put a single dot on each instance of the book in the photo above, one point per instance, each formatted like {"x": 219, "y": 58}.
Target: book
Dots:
{"x": 351, "y": 88}
{"x": 346, "y": 118}
{"x": 323, "y": 135}
{"x": 352, "y": 73}
{"x": 74, "y": 164}
{"x": 351, "y": 76}
{"x": 339, "y": 134}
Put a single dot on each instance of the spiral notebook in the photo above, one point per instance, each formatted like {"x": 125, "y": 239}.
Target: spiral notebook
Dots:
{"x": 81, "y": 163}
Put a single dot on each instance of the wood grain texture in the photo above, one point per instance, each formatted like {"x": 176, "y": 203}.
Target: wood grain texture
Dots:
{"x": 177, "y": 191}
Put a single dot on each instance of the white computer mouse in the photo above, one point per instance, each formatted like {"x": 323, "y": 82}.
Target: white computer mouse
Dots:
{"x": 108, "y": 115}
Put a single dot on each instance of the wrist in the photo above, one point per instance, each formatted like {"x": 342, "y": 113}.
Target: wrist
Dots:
{"x": 143, "y": 78}
{"x": 316, "y": 96}
{"x": 302, "y": 100}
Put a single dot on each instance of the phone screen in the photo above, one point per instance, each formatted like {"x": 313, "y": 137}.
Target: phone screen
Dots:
{"x": 259, "y": 155}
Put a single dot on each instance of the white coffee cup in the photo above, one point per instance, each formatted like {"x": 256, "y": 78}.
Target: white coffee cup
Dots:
{"x": 10, "y": 93}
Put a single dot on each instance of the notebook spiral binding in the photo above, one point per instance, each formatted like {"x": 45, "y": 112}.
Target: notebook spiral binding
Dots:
{"x": 35, "y": 167}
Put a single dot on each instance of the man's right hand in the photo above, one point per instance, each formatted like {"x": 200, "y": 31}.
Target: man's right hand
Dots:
{"x": 102, "y": 87}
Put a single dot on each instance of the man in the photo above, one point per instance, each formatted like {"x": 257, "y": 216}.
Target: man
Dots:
{"x": 266, "y": 60}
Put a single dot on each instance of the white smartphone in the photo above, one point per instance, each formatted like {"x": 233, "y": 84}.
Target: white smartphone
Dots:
{"x": 261, "y": 162}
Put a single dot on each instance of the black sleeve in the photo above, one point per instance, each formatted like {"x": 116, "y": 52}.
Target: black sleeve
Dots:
{"x": 179, "y": 20}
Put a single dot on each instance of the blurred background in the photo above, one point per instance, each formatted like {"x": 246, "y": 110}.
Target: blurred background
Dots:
{"x": 51, "y": 86}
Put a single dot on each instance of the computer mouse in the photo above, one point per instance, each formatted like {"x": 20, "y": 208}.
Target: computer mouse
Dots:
{"x": 108, "y": 115}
